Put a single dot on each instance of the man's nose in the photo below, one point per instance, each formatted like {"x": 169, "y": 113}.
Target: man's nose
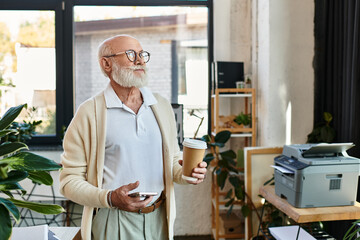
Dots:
{"x": 139, "y": 61}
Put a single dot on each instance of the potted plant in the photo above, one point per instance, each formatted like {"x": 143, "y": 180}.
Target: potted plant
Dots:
{"x": 225, "y": 170}
{"x": 322, "y": 131}
{"x": 243, "y": 119}
{"x": 16, "y": 165}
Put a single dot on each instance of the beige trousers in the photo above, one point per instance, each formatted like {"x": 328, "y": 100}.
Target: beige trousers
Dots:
{"x": 114, "y": 224}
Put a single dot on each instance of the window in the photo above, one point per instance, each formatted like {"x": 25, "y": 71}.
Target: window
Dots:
{"x": 31, "y": 65}
{"x": 27, "y": 66}
{"x": 57, "y": 70}
{"x": 176, "y": 37}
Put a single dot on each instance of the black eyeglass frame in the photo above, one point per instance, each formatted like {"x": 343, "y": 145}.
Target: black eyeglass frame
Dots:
{"x": 127, "y": 52}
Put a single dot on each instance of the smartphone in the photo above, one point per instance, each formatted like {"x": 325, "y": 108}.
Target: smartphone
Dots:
{"x": 142, "y": 194}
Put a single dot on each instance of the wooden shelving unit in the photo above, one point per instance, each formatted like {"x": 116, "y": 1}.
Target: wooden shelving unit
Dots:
{"x": 218, "y": 204}
{"x": 247, "y": 94}
{"x": 249, "y": 133}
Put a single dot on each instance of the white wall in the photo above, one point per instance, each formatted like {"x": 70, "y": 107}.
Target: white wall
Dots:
{"x": 285, "y": 71}
{"x": 232, "y": 32}
{"x": 278, "y": 53}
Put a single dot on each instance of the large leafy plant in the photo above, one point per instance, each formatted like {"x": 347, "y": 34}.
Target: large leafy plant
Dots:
{"x": 16, "y": 165}
{"x": 322, "y": 131}
{"x": 225, "y": 170}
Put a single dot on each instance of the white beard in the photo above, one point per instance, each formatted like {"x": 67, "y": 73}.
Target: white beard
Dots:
{"x": 124, "y": 76}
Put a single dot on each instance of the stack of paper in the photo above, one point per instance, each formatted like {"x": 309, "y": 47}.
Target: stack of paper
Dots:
{"x": 290, "y": 233}
{"x": 39, "y": 232}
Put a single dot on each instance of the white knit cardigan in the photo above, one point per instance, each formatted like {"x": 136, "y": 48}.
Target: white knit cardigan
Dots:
{"x": 84, "y": 154}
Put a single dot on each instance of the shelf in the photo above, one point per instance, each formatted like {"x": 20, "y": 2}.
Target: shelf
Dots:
{"x": 236, "y": 130}
{"x": 233, "y": 95}
{"x": 236, "y": 134}
{"x": 304, "y": 215}
{"x": 234, "y": 90}
{"x": 223, "y": 201}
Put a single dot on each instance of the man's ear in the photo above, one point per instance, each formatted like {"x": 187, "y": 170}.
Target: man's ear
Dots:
{"x": 106, "y": 64}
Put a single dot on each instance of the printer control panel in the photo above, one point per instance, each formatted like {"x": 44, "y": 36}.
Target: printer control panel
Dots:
{"x": 290, "y": 162}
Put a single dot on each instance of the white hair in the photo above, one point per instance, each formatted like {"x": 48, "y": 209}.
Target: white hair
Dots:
{"x": 105, "y": 49}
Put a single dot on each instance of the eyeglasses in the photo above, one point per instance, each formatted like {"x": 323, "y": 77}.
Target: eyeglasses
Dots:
{"x": 132, "y": 55}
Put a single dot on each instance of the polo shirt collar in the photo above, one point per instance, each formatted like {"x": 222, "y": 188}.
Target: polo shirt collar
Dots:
{"x": 113, "y": 101}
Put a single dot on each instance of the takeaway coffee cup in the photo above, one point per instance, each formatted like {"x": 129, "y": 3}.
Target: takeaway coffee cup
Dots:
{"x": 193, "y": 154}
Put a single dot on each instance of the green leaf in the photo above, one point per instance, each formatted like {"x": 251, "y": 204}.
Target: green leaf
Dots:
{"x": 230, "y": 210}
{"x": 206, "y": 138}
{"x": 39, "y": 207}
{"x": 229, "y": 194}
{"x": 41, "y": 177}
{"x": 8, "y": 148}
{"x": 245, "y": 210}
{"x": 239, "y": 193}
{"x": 208, "y": 158}
{"x": 12, "y": 186}
{"x": 221, "y": 178}
{"x": 6, "y": 132}
{"x": 30, "y": 162}
{"x": 232, "y": 169}
{"x": 235, "y": 181}
{"x": 14, "y": 176}
{"x": 11, "y": 208}
{"x": 8, "y": 193}
{"x": 220, "y": 145}
{"x": 223, "y": 163}
{"x": 5, "y": 226}
{"x": 229, "y": 160}
{"x": 228, "y": 153}
{"x": 327, "y": 117}
{"x": 222, "y": 137}
{"x": 4, "y": 171}
{"x": 228, "y": 203}
{"x": 10, "y": 116}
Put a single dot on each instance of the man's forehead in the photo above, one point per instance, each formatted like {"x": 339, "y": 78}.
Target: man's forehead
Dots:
{"x": 124, "y": 43}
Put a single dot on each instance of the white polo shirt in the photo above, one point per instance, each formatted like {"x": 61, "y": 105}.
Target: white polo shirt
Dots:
{"x": 133, "y": 145}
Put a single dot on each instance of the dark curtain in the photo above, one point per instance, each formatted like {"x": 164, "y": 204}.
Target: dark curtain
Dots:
{"x": 337, "y": 75}
{"x": 337, "y": 63}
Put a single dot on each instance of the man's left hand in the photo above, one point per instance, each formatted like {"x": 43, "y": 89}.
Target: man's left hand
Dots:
{"x": 198, "y": 172}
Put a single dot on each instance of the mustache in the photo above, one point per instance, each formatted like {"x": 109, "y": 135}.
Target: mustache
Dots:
{"x": 137, "y": 67}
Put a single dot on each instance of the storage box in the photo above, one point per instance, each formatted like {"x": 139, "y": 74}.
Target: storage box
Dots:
{"x": 231, "y": 224}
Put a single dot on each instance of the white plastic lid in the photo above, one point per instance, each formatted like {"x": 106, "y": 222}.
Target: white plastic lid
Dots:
{"x": 194, "y": 143}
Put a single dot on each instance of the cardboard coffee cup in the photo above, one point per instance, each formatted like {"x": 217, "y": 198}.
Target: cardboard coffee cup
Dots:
{"x": 193, "y": 154}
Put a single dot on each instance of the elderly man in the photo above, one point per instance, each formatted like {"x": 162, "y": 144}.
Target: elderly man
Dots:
{"x": 120, "y": 141}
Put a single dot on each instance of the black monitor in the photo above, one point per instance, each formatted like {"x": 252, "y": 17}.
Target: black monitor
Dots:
{"x": 228, "y": 73}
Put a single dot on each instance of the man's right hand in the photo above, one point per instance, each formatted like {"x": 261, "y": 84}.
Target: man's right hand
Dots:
{"x": 121, "y": 200}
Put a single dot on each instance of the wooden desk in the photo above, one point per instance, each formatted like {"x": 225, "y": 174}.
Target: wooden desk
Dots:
{"x": 304, "y": 215}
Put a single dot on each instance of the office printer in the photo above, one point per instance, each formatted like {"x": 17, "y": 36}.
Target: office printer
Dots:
{"x": 317, "y": 175}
